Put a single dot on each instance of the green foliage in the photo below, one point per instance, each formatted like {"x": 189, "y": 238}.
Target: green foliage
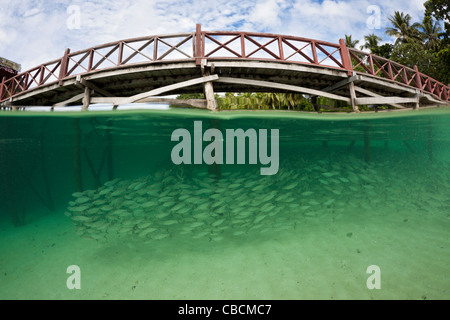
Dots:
{"x": 264, "y": 101}
{"x": 430, "y": 33}
{"x": 402, "y": 28}
{"x": 186, "y": 96}
{"x": 414, "y": 53}
{"x": 384, "y": 51}
{"x": 438, "y": 8}
{"x": 443, "y": 58}
{"x": 349, "y": 42}
{"x": 422, "y": 45}
{"x": 371, "y": 42}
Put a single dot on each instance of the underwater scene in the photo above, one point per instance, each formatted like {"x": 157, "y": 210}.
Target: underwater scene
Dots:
{"x": 358, "y": 208}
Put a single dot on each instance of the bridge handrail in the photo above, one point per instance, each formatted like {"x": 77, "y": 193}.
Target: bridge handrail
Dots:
{"x": 208, "y": 45}
{"x": 394, "y": 71}
{"x": 305, "y": 51}
{"x": 59, "y": 69}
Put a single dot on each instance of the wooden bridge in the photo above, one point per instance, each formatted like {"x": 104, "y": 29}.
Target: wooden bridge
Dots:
{"x": 144, "y": 69}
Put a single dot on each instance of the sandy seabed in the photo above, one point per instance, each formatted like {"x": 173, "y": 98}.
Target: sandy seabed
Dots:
{"x": 323, "y": 257}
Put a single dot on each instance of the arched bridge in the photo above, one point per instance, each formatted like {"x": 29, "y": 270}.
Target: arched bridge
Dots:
{"x": 141, "y": 69}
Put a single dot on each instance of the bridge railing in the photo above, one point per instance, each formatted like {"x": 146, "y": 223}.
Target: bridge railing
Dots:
{"x": 381, "y": 67}
{"x": 131, "y": 51}
{"x": 263, "y": 46}
{"x": 218, "y": 45}
{"x": 110, "y": 55}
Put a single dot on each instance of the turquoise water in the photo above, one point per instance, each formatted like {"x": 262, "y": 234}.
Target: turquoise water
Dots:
{"x": 100, "y": 191}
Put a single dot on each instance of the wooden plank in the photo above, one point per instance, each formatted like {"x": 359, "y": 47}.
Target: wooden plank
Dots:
{"x": 385, "y": 100}
{"x": 282, "y": 86}
{"x": 372, "y": 94}
{"x": 366, "y": 92}
{"x": 82, "y": 83}
{"x": 341, "y": 84}
{"x": 431, "y": 99}
{"x": 196, "y": 103}
{"x": 353, "y": 97}
{"x": 171, "y": 87}
{"x": 116, "y": 101}
{"x": 76, "y": 98}
{"x": 280, "y": 67}
{"x": 386, "y": 83}
{"x": 109, "y": 100}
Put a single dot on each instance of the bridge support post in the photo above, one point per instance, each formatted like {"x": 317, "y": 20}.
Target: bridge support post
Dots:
{"x": 208, "y": 89}
{"x": 77, "y": 155}
{"x": 417, "y": 104}
{"x": 314, "y": 103}
{"x": 211, "y": 102}
{"x": 367, "y": 150}
{"x": 87, "y": 98}
{"x": 215, "y": 169}
{"x": 430, "y": 141}
{"x": 353, "y": 97}
{"x": 109, "y": 151}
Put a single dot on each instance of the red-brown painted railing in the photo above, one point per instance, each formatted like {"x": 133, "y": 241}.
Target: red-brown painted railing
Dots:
{"x": 262, "y": 46}
{"x": 381, "y": 67}
{"x": 218, "y": 45}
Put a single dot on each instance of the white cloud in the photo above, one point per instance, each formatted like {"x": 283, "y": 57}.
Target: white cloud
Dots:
{"x": 31, "y": 12}
{"x": 266, "y": 14}
{"x": 329, "y": 20}
{"x": 35, "y": 31}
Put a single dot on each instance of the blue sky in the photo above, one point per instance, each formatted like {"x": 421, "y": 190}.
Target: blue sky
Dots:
{"x": 36, "y": 31}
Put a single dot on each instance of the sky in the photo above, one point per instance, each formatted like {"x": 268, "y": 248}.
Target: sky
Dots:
{"x": 33, "y": 32}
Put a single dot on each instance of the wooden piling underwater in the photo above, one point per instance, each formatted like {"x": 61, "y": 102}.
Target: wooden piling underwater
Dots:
{"x": 79, "y": 149}
{"x": 215, "y": 169}
{"x": 367, "y": 149}
{"x": 77, "y": 155}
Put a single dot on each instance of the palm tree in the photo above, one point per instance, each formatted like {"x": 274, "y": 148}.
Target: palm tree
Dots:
{"x": 430, "y": 33}
{"x": 371, "y": 42}
{"x": 349, "y": 42}
{"x": 402, "y": 28}
{"x": 260, "y": 97}
{"x": 271, "y": 100}
{"x": 282, "y": 100}
{"x": 294, "y": 100}
{"x": 278, "y": 100}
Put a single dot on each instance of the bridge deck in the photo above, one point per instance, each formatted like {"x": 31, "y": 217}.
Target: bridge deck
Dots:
{"x": 225, "y": 61}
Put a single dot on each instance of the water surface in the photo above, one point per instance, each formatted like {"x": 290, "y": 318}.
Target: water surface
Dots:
{"x": 99, "y": 190}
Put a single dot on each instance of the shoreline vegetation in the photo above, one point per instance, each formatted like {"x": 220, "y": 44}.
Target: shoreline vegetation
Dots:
{"x": 279, "y": 101}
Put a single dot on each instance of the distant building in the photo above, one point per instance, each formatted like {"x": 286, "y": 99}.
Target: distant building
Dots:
{"x": 8, "y": 68}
